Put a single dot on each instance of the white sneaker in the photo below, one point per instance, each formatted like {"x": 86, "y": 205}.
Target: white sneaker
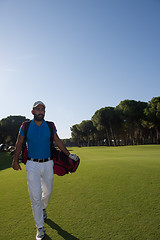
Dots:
{"x": 40, "y": 233}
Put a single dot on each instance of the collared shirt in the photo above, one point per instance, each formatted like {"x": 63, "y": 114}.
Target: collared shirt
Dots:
{"x": 38, "y": 140}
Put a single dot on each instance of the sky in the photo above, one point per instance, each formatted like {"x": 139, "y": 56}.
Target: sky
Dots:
{"x": 77, "y": 56}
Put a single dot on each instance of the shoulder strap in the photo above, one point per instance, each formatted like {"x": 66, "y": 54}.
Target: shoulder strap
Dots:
{"x": 25, "y": 126}
{"x": 54, "y": 152}
{"x": 51, "y": 128}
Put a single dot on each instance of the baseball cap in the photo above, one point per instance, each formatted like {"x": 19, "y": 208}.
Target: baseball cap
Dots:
{"x": 38, "y": 103}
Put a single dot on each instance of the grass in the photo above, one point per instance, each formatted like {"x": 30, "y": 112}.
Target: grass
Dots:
{"x": 115, "y": 194}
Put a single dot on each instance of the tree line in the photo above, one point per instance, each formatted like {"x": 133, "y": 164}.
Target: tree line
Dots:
{"x": 131, "y": 122}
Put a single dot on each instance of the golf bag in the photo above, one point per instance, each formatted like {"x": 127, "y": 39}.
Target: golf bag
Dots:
{"x": 62, "y": 163}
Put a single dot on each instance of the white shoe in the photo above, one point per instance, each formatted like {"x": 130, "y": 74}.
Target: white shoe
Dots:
{"x": 40, "y": 233}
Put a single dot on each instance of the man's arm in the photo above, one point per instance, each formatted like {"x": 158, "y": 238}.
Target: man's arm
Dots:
{"x": 62, "y": 147}
{"x": 17, "y": 152}
{"x": 60, "y": 144}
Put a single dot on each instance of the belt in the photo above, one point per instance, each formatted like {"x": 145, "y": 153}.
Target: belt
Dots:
{"x": 39, "y": 160}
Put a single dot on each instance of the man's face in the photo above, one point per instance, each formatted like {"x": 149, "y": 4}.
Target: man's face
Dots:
{"x": 39, "y": 113}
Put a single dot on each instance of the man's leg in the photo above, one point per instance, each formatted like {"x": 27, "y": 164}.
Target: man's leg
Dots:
{"x": 47, "y": 182}
{"x": 34, "y": 186}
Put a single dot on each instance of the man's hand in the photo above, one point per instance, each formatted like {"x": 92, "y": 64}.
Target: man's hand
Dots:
{"x": 16, "y": 165}
{"x": 73, "y": 157}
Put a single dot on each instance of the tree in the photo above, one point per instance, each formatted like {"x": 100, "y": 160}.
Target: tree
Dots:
{"x": 9, "y": 128}
{"x": 107, "y": 119}
{"x": 87, "y": 129}
{"x": 68, "y": 142}
{"x": 152, "y": 112}
{"x": 76, "y": 135}
{"x": 133, "y": 114}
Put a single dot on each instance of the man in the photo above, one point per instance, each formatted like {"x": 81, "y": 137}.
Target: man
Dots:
{"x": 39, "y": 165}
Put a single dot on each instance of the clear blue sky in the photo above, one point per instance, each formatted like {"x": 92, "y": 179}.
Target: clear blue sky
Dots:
{"x": 77, "y": 56}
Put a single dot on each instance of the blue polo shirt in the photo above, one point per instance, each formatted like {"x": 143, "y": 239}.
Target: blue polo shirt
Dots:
{"x": 38, "y": 140}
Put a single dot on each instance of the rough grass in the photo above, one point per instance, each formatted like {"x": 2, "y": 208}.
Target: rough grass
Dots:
{"x": 114, "y": 194}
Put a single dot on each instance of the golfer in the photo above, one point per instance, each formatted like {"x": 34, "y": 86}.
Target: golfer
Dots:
{"x": 39, "y": 165}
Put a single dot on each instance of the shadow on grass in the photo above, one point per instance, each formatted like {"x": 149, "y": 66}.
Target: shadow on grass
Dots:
{"x": 47, "y": 237}
{"x": 64, "y": 234}
{"x": 5, "y": 160}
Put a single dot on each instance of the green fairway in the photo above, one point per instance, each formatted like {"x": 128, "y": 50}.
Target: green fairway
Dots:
{"x": 115, "y": 194}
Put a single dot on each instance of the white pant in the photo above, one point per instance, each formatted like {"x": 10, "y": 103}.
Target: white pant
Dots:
{"x": 40, "y": 185}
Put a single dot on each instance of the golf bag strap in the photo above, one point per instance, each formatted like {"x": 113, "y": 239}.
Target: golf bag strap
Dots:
{"x": 52, "y": 128}
{"x": 25, "y": 126}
